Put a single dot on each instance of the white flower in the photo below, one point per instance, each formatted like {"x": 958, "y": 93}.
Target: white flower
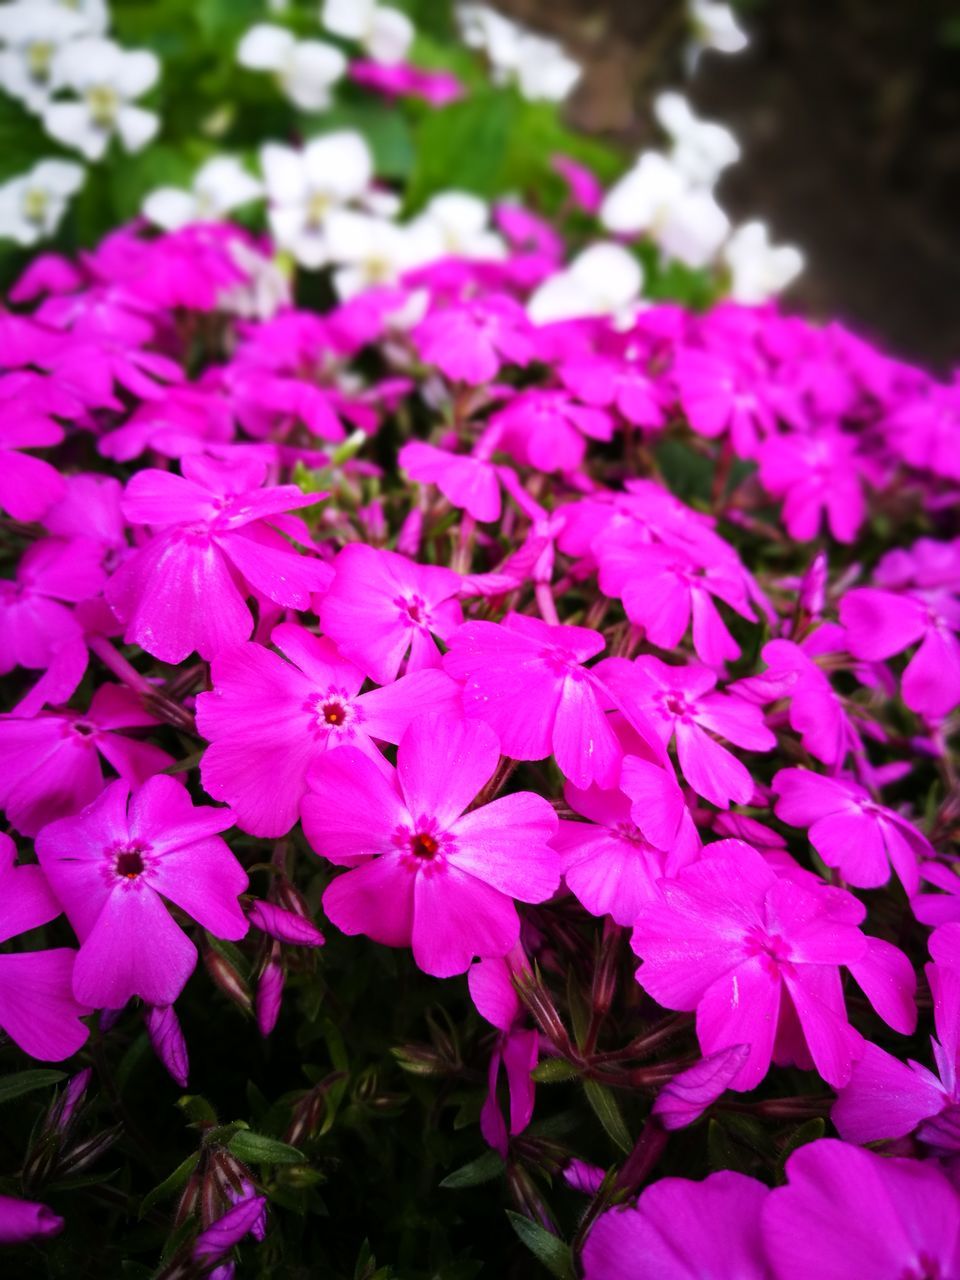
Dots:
{"x": 714, "y": 27}
{"x": 305, "y": 69}
{"x": 265, "y": 290}
{"x": 758, "y": 269}
{"x": 31, "y": 34}
{"x": 459, "y": 223}
{"x": 218, "y": 186}
{"x": 604, "y": 279}
{"x": 656, "y": 198}
{"x": 385, "y": 33}
{"x": 701, "y": 149}
{"x": 373, "y": 251}
{"x": 304, "y": 187}
{"x": 106, "y": 80}
{"x": 539, "y": 66}
{"x": 94, "y": 14}
{"x": 32, "y": 206}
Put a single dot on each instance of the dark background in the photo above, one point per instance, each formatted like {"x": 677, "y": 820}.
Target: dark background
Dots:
{"x": 848, "y": 116}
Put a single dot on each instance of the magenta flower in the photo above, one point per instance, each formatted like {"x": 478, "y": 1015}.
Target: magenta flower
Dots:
{"x": 749, "y": 951}
{"x": 549, "y": 430}
{"x": 623, "y": 384}
{"x": 816, "y": 475}
{"x": 849, "y": 830}
{"x": 267, "y": 719}
{"x": 428, "y": 875}
{"x": 37, "y": 1008}
{"x": 846, "y": 1214}
{"x": 682, "y": 1230}
{"x": 608, "y": 864}
{"x": 380, "y": 605}
{"x": 678, "y": 702}
{"x": 35, "y": 623}
{"x": 526, "y": 679}
{"x": 214, "y": 545}
{"x": 22, "y": 1220}
{"x": 883, "y": 623}
{"x": 247, "y": 1216}
{"x": 665, "y": 588}
{"x": 470, "y": 342}
{"x": 113, "y": 864}
{"x": 718, "y": 396}
{"x": 401, "y": 80}
{"x": 584, "y": 187}
{"x": 888, "y": 1098}
{"x": 684, "y": 1099}
{"x": 28, "y": 486}
{"x": 50, "y": 765}
{"x": 516, "y": 1050}
{"x": 463, "y": 480}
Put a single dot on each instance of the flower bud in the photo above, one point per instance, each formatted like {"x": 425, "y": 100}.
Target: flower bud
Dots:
{"x": 168, "y": 1042}
{"x": 226, "y": 977}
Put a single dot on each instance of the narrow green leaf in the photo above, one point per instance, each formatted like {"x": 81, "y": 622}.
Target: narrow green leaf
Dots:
{"x": 21, "y": 1082}
{"x": 554, "y": 1071}
{"x": 259, "y": 1149}
{"x": 809, "y": 1131}
{"x": 553, "y": 1252}
{"x": 607, "y": 1112}
{"x": 168, "y": 1186}
{"x": 484, "y": 1169}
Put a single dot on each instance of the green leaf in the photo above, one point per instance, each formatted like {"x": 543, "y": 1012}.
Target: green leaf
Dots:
{"x": 484, "y": 1169}
{"x": 809, "y": 1131}
{"x": 549, "y": 1249}
{"x": 463, "y": 147}
{"x": 554, "y": 1071}
{"x": 169, "y": 1185}
{"x": 21, "y": 1082}
{"x": 607, "y": 1112}
{"x": 259, "y": 1149}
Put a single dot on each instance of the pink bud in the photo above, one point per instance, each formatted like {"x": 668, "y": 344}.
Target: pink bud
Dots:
{"x": 411, "y": 531}
{"x": 163, "y": 1027}
{"x": 269, "y": 995}
{"x": 24, "y": 1220}
{"x": 286, "y": 926}
{"x": 237, "y": 1222}
{"x": 689, "y": 1094}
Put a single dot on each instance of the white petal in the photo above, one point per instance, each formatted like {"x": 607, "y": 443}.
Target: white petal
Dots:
{"x": 339, "y": 163}
{"x": 83, "y": 63}
{"x": 70, "y": 123}
{"x": 389, "y": 36}
{"x": 284, "y": 173}
{"x": 265, "y": 47}
{"x": 611, "y": 274}
{"x": 694, "y": 230}
{"x": 61, "y": 177}
{"x": 560, "y": 297}
{"x": 170, "y": 208}
{"x": 136, "y": 127}
{"x": 641, "y": 195}
{"x": 310, "y": 70}
{"x": 459, "y": 213}
{"x": 223, "y": 183}
{"x": 138, "y": 71}
{"x": 348, "y": 18}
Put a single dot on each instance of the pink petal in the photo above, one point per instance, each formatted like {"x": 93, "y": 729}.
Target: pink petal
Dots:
{"x": 505, "y": 844}
{"x": 742, "y": 1008}
{"x": 37, "y": 1007}
{"x": 443, "y": 763}
{"x": 375, "y": 899}
{"x": 351, "y": 809}
{"x": 457, "y": 917}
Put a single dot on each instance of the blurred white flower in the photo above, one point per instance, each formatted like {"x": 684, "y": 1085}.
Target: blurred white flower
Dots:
{"x": 373, "y": 251}
{"x": 305, "y": 187}
{"x": 385, "y": 33}
{"x": 31, "y": 33}
{"x": 95, "y": 14}
{"x": 714, "y": 27}
{"x": 604, "y": 279}
{"x": 459, "y": 223}
{"x": 758, "y": 269}
{"x": 32, "y": 205}
{"x": 265, "y": 290}
{"x": 540, "y": 67}
{"x": 657, "y": 198}
{"x": 305, "y": 69}
{"x": 106, "y": 80}
{"x": 701, "y": 149}
{"x": 218, "y": 186}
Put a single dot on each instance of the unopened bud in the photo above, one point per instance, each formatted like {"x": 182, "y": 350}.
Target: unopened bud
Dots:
{"x": 229, "y": 981}
{"x": 270, "y": 993}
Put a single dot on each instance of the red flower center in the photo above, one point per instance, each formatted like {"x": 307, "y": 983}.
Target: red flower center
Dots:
{"x": 129, "y": 863}
{"x": 333, "y": 713}
{"x": 423, "y": 845}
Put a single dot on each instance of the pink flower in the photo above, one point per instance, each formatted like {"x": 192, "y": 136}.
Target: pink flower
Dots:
{"x": 678, "y": 702}
{"x": 22, "y": 1220}
{"x": 816, "y": 475}
{"x": 526, "y": 679}
{"x": 665, "y": 588}
{"x": 28, "y": 486}
{"x": 548, "y": 430}
{"x": 608, "y": 864}
{"x": 585, "y": 189}
{"x": 850, "y": 830}
{"x": 50, "y": 764}
{"x": 718, "y": 396}
{"x": 681, "y": 1230}
{"x": 887, "y": 1098}
{"x": 883, "y": 623}
{"x": 846, "y": 1214}
{"x": 516, "y": 1050}
{"x": 428, "y": 875}
{"x": 471, "y": 341}
{"x": 380, "y": 605}
{"x": 113, "y": 864}
{"x": 621, "y": 383}
{"x": 400, "y": 80}
{"x": 752, "y": 952}
{"x": 37, "y": 1008}
{"x": 216, "y": 543}
{"x": 685, "y": 1098}
{"x": 35, "y": 623}
{"x": 465, "y": 481}
{"x": 268, "y": 719}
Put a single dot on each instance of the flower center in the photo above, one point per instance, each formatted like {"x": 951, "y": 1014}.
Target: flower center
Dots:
{"x": 771, "y": 946}
{"x": 333, "y": 713}
{"x": 675, "y": 704}
{"x": 39, "y": 60}
{"x": 82, "y": 729}
{"x": 424, "y": 845}
{"x": 103, "y": 103}
{"x": 34, "y": 204}
{"x": 128, "y": 861}
{"x": 413, "y": 611}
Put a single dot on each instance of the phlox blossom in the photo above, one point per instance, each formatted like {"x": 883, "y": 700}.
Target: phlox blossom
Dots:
{"x": 215, "y": 542}
{"x": 267, "y": 719}
{"x": 380, "y": 605}
{"x": 426, "y": 874}
{"x": 114, "y": 863}
{"x": 470, "y": 342}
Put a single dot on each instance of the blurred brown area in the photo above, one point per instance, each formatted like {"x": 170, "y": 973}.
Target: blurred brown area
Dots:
{"x": 848, "y": 114}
